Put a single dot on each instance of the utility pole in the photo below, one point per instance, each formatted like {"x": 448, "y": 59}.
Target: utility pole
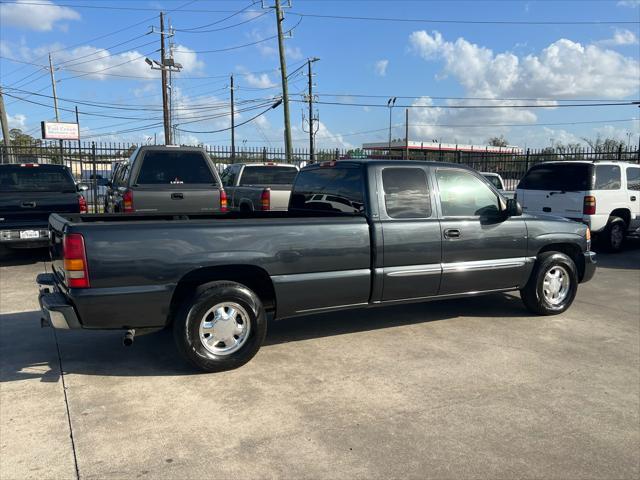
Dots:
{"x": 53, "y": 87}
{"x": 288, "y": 147}
{"x": 165, "y": 100}
{"x": 406, "y": 133}
{"x": 5, "y": 131}
{"x": 233, "y": 126}
{"x": 55, "y": 104}
{"x": 312, "y": 129}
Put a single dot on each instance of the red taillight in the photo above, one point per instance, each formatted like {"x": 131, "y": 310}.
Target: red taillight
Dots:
{"x": 127, "y": 202}
{"x": 223, "y": 201}
{"x": 75, "y": 261}
{"x": 82, "y": 203}
{"x": 589, "y": 205}
{"x": 265, "y": 199}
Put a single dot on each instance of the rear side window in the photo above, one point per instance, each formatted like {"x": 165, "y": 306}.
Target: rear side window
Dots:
{"x": 406, "y": 194}
{"x": 174, "y": 168}
{"x": 332, "y": 189}
{"x": 607, "y": 177}
{"x": 633, "y": 178}
{"x": 15, "y": 178}
{"x": 268, "y": 175}
{"x": 558, "y": 177}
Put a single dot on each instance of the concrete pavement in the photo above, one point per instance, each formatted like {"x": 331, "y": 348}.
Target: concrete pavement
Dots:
{"x": 457, "y": 389}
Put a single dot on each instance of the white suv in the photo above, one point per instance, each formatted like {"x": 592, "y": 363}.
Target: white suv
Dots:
{"x": 602, "y": 194}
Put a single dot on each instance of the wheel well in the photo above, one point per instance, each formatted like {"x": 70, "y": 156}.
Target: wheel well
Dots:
{"x": 623, "y": 213}
{"x": 254, "y": 278}
{"x": 571, "y": 250}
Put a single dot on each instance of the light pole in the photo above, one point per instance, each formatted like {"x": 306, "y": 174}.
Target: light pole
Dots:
{"x": 390, "y": 103}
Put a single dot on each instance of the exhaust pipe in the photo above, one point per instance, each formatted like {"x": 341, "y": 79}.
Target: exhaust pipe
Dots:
{"x": 128, "y": 338}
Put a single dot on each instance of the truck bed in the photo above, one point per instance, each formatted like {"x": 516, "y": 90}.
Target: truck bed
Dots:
{"x": 139, "y": 259}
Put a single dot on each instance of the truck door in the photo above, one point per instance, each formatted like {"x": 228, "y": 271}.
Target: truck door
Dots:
{"x": 481, "y": 248}
{"x": 411, "y": 233}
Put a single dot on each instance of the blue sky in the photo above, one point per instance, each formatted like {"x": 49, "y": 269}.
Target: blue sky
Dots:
{"x": 550, "y": 64}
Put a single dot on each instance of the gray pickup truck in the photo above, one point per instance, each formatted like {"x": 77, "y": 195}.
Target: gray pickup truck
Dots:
{"x": 357, "y": 234}
{"x": 165, "y": 179}
{"x": 259, "y": 186}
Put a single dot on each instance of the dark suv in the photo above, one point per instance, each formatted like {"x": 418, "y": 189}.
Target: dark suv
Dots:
{"x": 166, "y": 179}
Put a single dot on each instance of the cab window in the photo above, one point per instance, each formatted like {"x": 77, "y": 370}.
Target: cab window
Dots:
{"x": 633, "y": 178}
{"x": 462, "y": 194}
{"x": 406, "y": 194}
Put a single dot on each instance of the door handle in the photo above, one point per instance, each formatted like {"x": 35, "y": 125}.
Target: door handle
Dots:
{"x": 28, "y": 204}
{"x": 633, "y": 199}
{"x": 452, "y": 233}
{"x": 177, "y": 196}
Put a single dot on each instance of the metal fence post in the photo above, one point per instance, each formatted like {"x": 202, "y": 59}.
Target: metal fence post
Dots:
{"x": 95, "y": 178}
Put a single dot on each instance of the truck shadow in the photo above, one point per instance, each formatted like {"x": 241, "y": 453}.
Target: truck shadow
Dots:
{"x": 25, "y": 256}
{"x": 627, "y": 259}
{"x": 29, "y": 352}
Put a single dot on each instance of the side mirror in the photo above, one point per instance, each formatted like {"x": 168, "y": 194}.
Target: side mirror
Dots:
{"x": 83, "y": 187}
{"x": 513, "y": 208}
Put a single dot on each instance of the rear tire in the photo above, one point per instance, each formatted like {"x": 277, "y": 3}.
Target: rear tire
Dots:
{"x": 613, "y": 235}
{"x": 552, "y": 286}
{"x": 221, "y": 328}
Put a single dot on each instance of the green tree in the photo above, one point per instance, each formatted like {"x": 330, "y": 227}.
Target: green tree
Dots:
{"x": 498, "y": 141}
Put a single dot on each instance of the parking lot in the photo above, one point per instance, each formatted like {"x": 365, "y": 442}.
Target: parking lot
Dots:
{"x": 453, "y": 389}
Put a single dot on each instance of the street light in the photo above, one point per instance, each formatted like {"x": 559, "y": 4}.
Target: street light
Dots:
{"x": 390, "y": 103}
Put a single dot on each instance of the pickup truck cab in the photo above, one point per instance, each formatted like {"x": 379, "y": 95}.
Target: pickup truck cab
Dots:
{"x": 605, "y": 195}
{"x": 358, "y": 233}
{"x": 259, "y": 186}
{"x": 29, "y": 193}
{"x": 165, "y": 179}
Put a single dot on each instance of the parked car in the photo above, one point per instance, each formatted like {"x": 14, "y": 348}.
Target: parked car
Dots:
{"x": 601, "y": 194}
{"x": 101, "y": 181}
{"x": 496, "y": 180}
{"x": 394, "y": 238}
{"x": 166, "y": 179}
{"x": 258, "y": 186}
{"x": 29, "y": 193}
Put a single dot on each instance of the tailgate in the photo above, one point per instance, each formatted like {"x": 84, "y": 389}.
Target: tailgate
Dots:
{"x": 176, "y": 199}
{"x": 280, "y": 197}
{"x": 33, "y": 208}
{"x": 550, "y": 202}
{"x": 57, "y": 227}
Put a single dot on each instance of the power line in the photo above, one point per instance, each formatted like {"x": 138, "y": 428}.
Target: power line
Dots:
{"x": 222, "y": 28}
{"x": 465, "y": 22}
{"x": 238, "y": 125}
{"x": 378, "y": 105}
{"x": 515, "y": 99}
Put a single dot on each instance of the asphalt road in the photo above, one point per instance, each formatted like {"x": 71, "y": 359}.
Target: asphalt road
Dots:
{"x": 456, "y": 389}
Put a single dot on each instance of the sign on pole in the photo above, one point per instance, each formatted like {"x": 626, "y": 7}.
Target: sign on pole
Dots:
{"x": 60, "y": 131}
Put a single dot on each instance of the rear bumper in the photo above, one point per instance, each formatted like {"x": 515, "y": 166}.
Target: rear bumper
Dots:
{"x": 589, "y": 266}
{"x": 12, "y": 237}
{"x": 55, "y": 307}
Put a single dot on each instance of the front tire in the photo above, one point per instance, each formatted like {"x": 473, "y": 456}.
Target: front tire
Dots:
{"x": 221, "y": 328}
{"x": 552, "y": 286}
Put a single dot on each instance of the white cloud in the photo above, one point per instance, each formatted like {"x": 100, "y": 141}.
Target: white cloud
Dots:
{"x": 565, "y": 69}
{"x": 259, "y": 81}
{"x": 620, "y": 38}
{"x": 98, "y": 63}
{"x": 380, "y": 67}
{"x": 17, "y": 121}
{"x": 39, "y": 15}
{"x": 293, "y": 53}
{"x": 629, "y": 3}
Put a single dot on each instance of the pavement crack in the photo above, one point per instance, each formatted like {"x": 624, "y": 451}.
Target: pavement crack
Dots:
{"x": 66, "y": 404}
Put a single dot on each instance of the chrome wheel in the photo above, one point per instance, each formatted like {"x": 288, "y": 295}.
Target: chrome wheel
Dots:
{"x": 556, "y": 285}
{"x": 224, "y": 328}
{"x": 616, "y": 236}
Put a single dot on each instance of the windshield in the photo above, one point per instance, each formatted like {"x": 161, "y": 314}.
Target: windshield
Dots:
{"x": 268, "y": 175}
{"x": 42, "y": 178}
{"x": 568, "y": 177}
{"x": 176, "y": 168}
